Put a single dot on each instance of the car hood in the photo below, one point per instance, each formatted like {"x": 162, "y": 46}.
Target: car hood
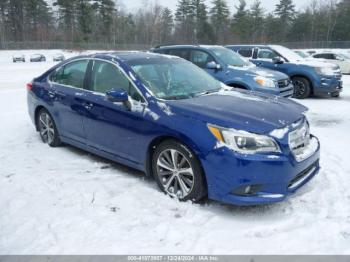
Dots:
{"x": 258, "y": 71}
{"x": 241, "y": 110}
{"x": 314, "y": 63}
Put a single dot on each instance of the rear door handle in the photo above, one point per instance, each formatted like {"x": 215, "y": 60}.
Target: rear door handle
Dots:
{"x": 88, "y": 106}
{"x": 52, "y": 94}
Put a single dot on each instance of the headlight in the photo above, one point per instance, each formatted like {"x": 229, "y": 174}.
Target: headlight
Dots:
{"x": 266, "y": 82}
{"x": 244, "y": 142}
{"x": 327, "y": 71}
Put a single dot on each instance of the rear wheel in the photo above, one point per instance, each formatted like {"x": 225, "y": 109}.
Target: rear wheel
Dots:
{"x": 302, "y": 88}
{"x": 47, "y": 129}
{"x": 178, "y": 172}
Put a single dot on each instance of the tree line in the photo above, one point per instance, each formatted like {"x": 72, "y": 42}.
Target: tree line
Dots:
{"x": 193, "y": 22}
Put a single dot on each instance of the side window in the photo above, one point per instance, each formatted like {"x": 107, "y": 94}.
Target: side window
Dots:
{"x": 319, "y": 56}
{"x": 183, "y": 53}
{"x": 106, "y": 77}
{"x": 72, "y": 74}
{"x": 201, "y": 58}
{"x": 267, "y": 54}
{"x": 246, "y": 52}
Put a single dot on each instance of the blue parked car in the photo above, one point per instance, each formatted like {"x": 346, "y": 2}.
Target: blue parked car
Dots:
{"x": 232, "y": 69}
{"x": 170, "y": 119}
{"x": 309, "y": 77}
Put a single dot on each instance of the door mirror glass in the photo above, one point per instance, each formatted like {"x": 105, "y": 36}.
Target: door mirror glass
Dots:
{"x": 214, "y": 66}
{"x": 117, "y": 96}
{"x": 278, "y": 60}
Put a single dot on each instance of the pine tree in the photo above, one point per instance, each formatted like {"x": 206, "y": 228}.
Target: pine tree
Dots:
{"x": 167, "y": 24}
{"x": 203, "y": 31}
{"x": 219, "y": 15}
{"x": 285, "y": 10}
{"x": 240, "y": 22}
{"x": 256, "y": 22}
{"x": 38, "y": 19}
{"x": 184, "y": 17}
{"x": 105, "y": 12}
{"x": 67, "y": 18}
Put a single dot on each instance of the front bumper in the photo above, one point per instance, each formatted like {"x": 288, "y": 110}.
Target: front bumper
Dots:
{"x": 328, "y": 85}
{"x": 287, "y": 91}
{"x": 273, "y": 177}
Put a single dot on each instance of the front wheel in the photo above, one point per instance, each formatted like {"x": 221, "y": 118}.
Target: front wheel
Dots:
{"x": 302, "y": 88}
{"x": 178, "y": 172}
{"x": 47, "y": 129}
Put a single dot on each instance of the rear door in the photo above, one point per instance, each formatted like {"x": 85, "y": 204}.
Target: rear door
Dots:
{"x": 67, "y": 87}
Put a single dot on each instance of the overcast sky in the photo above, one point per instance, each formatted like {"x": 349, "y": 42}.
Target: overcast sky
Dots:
{"x": 269, "y": 5}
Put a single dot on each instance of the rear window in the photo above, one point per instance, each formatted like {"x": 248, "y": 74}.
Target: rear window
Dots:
{"x": 72, "y": 74}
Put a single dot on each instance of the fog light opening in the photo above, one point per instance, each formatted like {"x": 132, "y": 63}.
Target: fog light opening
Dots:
{"x": 247, "y": 190}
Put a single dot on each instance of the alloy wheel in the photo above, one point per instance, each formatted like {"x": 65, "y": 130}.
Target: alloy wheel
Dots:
{"x": 175, "y": 173}
{"x": 46, "y": 128}
{"x": 299, "y": 88}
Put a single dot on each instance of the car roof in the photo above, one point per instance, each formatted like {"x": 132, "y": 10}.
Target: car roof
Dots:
{"x": 121, "y": 55}
{"x": 248, "y": 45}
{"x": 187, "y": 46}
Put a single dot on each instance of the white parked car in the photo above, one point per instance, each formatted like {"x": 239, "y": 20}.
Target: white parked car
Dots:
{"x": 18, "y": 58}
{"x": 340, "y": 59}
{"x": 58, "y": 58}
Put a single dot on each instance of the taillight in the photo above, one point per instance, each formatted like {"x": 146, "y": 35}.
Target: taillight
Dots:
{"x": 29, "y": 86}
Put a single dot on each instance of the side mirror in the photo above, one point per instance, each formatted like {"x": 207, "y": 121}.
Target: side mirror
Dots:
{"x": 117, "y": 96}
{"x": 278, "y": 60}
{"x": 214, "y": 66}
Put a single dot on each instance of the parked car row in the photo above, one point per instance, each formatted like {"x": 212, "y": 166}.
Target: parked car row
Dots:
{"x": 37, "y": 58}
{"x": 180, "y": 124}
{"x": 265, "y": 68}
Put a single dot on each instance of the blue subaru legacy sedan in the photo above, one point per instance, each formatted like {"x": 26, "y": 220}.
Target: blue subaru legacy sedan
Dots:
{"x": 170, "y": 119}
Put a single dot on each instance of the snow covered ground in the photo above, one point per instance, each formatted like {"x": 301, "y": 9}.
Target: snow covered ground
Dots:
{"x": 66, "y": 201}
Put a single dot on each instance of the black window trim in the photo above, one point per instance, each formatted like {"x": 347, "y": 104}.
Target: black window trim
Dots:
{"x": 87, "y": 79}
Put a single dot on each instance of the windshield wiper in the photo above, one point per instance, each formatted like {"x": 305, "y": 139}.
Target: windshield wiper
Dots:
{"x": 176, "y": 97}
{"x": 206, "y": 92}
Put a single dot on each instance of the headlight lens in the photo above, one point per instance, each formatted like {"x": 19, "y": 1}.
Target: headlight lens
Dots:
{"x": 264, "y": 81}
{"x": 327, "y": 71}
{"x": 244, "y": 142}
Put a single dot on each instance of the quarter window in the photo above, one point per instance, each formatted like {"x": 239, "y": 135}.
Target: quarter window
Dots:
{"x": 72, "y": 74}
{"x": 106, "y": 77}
{"x": 201, "y": 58}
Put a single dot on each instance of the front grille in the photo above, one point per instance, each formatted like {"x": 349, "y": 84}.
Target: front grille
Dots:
{"x": 284, "y": 83}
{"x": 301, "y": 143}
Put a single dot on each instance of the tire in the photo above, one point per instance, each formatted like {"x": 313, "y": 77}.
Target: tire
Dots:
{"x": 47, "y": 129}
{"x": 302, "y": 87}
{"x": 188, "y": 184}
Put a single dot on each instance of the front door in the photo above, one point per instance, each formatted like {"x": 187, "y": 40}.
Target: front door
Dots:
{"x": 113, "y": 127}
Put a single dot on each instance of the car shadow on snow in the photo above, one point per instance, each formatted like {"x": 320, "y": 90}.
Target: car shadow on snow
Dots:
{"x": 204, "y": 205}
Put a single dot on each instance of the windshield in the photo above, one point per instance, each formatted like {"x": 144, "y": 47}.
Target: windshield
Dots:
{"x": 287, "y": 53}
{"x": 230, "y": 57}
{"x": 343, "y": 56}
{"x": 301, "y": 54}
{"x": 173, "y": 78}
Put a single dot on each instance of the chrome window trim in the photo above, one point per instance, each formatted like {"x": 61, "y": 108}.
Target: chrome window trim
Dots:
{"x": 145, "y": 102}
